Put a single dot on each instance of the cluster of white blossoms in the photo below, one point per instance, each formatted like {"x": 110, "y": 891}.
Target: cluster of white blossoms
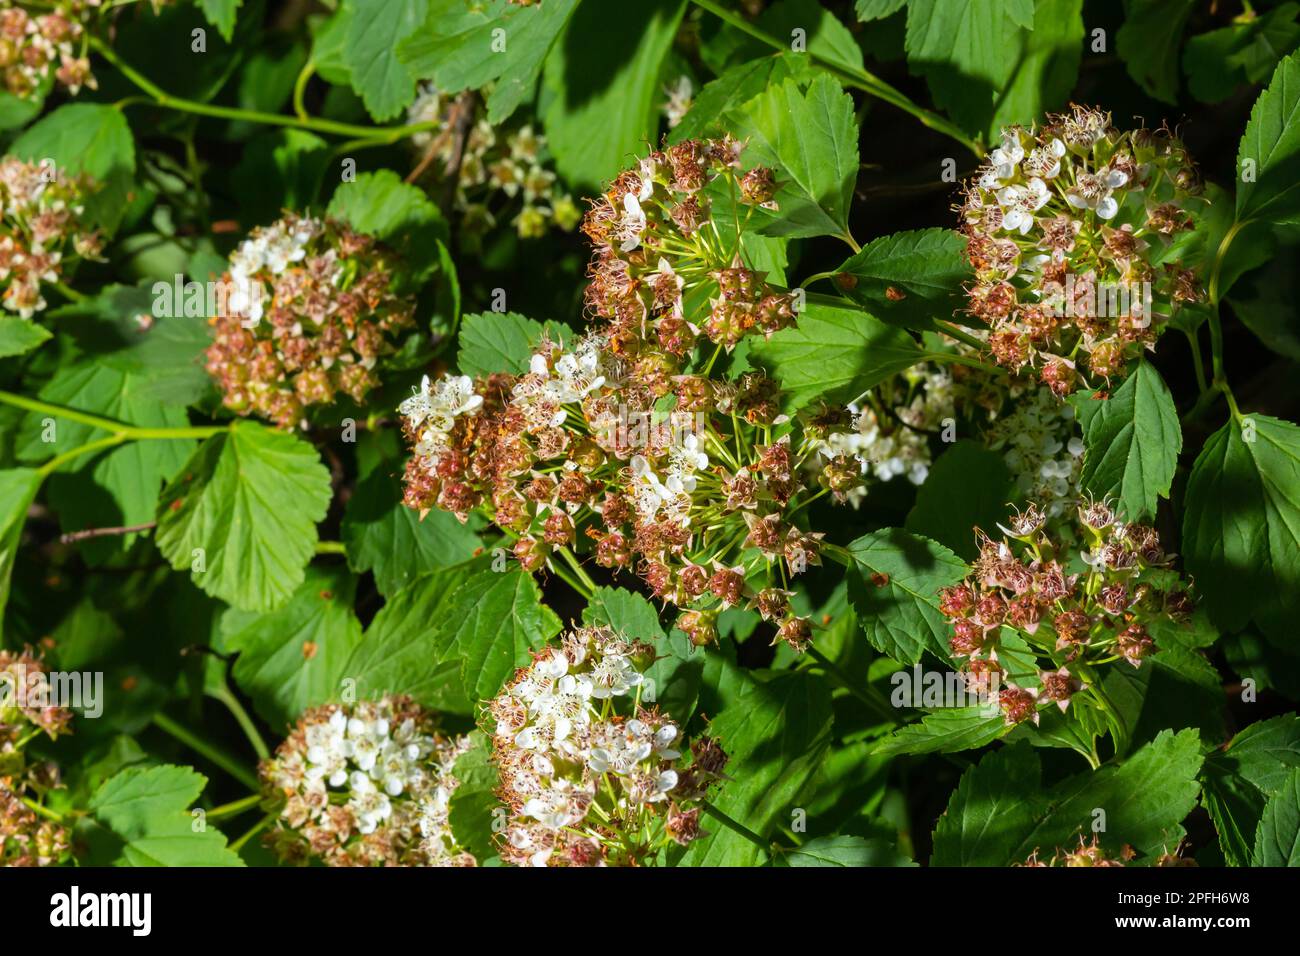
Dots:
{"x": 431, "y": 412}
{"x": 365, "y": 785}
{"x": 557, "y": 378}
{"x": 890, "y": 432}
{"x": 1042, "y": 447}
{"x": 669, "y": 498}
{"x": 584, "y": 784}
{"x": 500, "y": 172}
{"x": 271, "y": 249}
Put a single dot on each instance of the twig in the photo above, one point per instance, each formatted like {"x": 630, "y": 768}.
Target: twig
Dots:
{"x": 73, "y": 536}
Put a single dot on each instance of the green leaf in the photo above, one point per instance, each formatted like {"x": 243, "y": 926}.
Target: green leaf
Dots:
{"x": 1264, "y": 301}
{"x": 968, "y": 53}
{"x": 894, "y": 586}
{"x": 775, "y": 732}
{"x": 1047, "y": 66}
{"x": 600, "y": 87}
{"x": 147, "y": 809}
{"x": 386, "y": 84}
{"x": 810, "y": 139}
{"x": 1241, "y": 527}
{"x": 453, "y": 637}
{"x": 91, "y": 138}
{"x": 279, "y": 169}
{"x": 968, "y": 487}
{"x": 18, "y": 487}
{"x": 1149, "y": 43}
{"x": 1245, "y": 51}
{"x": 474, "y": 800}
{"x": 294, "y": 657}
{"x": 458, "y": 48}
{"x": 834, "y": 353}
{"x": 1133, "y": 439}
{"x": 249, "y": 498}
{"x": 1238, "y": 781}
{"x": 18, "y": 336}
{"x": 384, "y": 536}
{"x": 877, "y": 9}
{"x": 400, "y": 653}
{"x": 729, "y": 91}
{"x": 221, "y": 14}
{"x": 1278, "y": 840}
{"x": 493, "y": 342}
{"x": 946, "y": 730}
{"x": 1000, "y": 813}
{"x": 994, "y": 804}
{"x": 927, "y": 266}
{"x": 845, "y": 851}
{"x": 114, "y": 488}
{"x": 397, "y": 213}
{"x": 1268, "y": 159}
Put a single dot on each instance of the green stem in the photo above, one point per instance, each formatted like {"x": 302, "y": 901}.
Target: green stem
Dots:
{"x": 853, "y": 76}
{"x": 257, "y": 828}
{"x": 1198, "y": 362}
{"x": 200, "y": 746}
{"x": 120, "y": 430}
{"x": 235, "y": 807}
{"x": 300, "y": 89}
{"x": 961, "y": 335}
{"x": 578, "y": 569}
{"x": 331, "y": 547}
{"x": 165, "y": 100}
{"x": 41, "y": 810}
{"x": 222, "y": 693}
{"x": 59, "y": 460}
{"x": 69, "y": 293}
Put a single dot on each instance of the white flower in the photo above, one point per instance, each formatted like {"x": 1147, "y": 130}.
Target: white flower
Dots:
{"x": 633, "y": 223}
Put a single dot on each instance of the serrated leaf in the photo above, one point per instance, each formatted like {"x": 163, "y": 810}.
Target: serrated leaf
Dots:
{"x": 250, "y": 499}
{"x": 493, "y": 342}
{"x": 1001, "y": 814}
{"x": 221, "y": 14}
{"x": 600, "y": 87}
{"x": 147, "y": 809}
{"x": 474, "y": 801}
{"x": 968, "y": 487}
{"x": 294, "y": 657}
{"x": 1133, "y": 439}
{"x": 1245, "y": 51}
{"x": 845, "y": 851}
{"x": 397, "y": 213}
{"x": 810, "y": 139}
{"x": 386, "y": 84}
{"x": 18, "y": 336}
{"x": 384, "y": 536}
{"x": 729, "y": 91}
{"x": 1149, "y": 43}
{"x": 1270, "y": 150}
{"x": 1238, "y": 781}
{"x": 834, "y": 353}
{"x": 774, "y": 732}
{"x": 1241, "y": 527}
{"x": 1278, "y": 840}
{"x": 458, "y": 48}
{"x": 1047, "y": 65}
{"x": 946, "y": 730}
{"x": 894, "y": 586}
{"x": 926, "y": 267}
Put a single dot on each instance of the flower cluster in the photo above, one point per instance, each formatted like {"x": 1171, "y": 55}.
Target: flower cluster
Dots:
{"x": 591, "y": 772}
{"x": 1091, "y": 853}
{"x": 695, "y": 499}
{"x": 42, "y": 227}
{"x": 1073, "y": 620}
{"x": 1067, "y": 229}
{"x": 499, "y": 173}
{"x": 27, "y": 711}
{"x": 660, "y": 253}
{"x": 32, "y": 47}
{"x": 887, "y": 436}
{"x": 367, "y": 784}
{"x": 305, "y": 311}
{"x": 1040, "y": 443}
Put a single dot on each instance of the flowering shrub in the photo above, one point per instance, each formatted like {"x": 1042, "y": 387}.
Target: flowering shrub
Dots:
{"x": 774, "y": 433}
